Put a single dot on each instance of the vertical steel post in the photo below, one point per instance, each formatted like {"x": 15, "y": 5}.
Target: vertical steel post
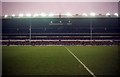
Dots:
{"x": 91, "y": 23}
{"x": 30, "y": 34}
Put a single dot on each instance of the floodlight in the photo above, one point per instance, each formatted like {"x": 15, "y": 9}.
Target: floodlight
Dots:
{"x": 116, "y": 14}
{"x": 84, "y": 14}
{"x": 28, "y": 15}
{"x": 6, "y": 16}
{"x": 68, "y": 14}
{"x": 21, "y": 15}
{"x": 51, "y": 21}
{"x": 35, "y": 15}
{"x": 13, "y": 15}
{"x": 51, "y": 15}
{"x": 92, "y": 14}
{"x": 108, "y": 14}
{"x": 43, "y": 14}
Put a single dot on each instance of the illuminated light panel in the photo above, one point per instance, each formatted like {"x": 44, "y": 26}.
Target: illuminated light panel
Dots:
{"x": 28, "y": 15}
{"x": 51, "y": 15}
{"x": 21, "y": 15}
{"x": 51, "y": 21}
{"x": 35, "y": 15}
{"x": 84, "y": 14}
{"x": 116, "y": 14}
{"x": 108, "y": 14}
{"x": 92, "y": 14}
{"x": 13, "y": 15}
{"x": 6, "y": 16}
{"x": 43, "y": 14}
{"x": 68, "y": 14}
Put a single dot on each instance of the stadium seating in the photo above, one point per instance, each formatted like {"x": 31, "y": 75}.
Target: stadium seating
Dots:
{"x": 61, "y": 29}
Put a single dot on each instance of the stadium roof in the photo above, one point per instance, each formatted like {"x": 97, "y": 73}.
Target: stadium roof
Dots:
{"x": 67, "y": 15}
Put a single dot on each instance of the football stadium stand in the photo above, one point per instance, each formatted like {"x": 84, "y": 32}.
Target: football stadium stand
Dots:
{"x": 61, "y": 30}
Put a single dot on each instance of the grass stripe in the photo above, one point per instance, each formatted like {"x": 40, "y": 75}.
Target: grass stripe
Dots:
{"x": 81, "y": 63}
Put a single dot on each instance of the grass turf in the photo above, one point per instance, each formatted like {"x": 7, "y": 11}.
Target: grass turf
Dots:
{"x": 56, "y": 60}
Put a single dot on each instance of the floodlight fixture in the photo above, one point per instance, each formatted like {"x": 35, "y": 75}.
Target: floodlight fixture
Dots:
{"x": 69, "y": 21}
{"x": 51, "y": 15}
{"x": 68, "y": 14}
{"x": 6, "y": 16}
{"x": 84, "y": 14}
{"x": 13, "y": 15}
{"x": 108, "y": 14}
{"x": 60, "y": 21}
{"x": 35, "y": 15}
{"x": 116, "y": 14}
{"x": 43, "y": 14}
{"x": 21, "y": 15}
{"x": 28, "y": 15}
{"x": 51, "y": 21}
{"x": 92, "y": 14}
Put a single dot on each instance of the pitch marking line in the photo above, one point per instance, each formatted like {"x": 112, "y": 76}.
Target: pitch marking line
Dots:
{"x": 81, "y": 63}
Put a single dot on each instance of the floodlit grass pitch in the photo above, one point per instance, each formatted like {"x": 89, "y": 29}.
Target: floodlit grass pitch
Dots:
{"x": 57, "y": 60}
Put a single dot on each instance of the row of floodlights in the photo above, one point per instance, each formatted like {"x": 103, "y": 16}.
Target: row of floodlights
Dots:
{"x": 52, "y": 14}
